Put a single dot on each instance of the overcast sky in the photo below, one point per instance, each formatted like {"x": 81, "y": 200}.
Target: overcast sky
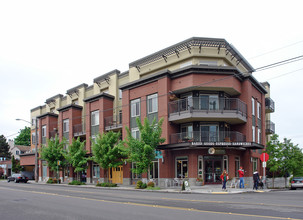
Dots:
{"x": 48, "y": 47}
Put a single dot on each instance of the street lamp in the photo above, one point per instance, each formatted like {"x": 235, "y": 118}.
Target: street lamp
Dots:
{"x": 36, "y": 147}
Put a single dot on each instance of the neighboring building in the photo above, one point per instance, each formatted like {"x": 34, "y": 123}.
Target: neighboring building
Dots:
{"x": 16, "y": 150}
{"x": 214, "y": 113}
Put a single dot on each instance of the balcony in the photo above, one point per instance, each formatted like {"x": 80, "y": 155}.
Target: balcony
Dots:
{"x": 113, "y": 122}
{"x": 209, "y": 137}
{"x": 52, "y": 134}
{"x": 79, "y": 130}
{"x": 230, "y": 110}
{"x": 270, "y": 127}
{"x": 269, "y": 105}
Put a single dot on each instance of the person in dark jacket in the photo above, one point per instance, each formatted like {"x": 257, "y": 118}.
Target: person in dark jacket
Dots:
{"x": 224, "y": 178}
{"x": 256, "y": 179}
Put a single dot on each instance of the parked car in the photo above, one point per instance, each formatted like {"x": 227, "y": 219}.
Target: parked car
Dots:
{"x": 297, "y": 182}
{"x": 17, "y": 178}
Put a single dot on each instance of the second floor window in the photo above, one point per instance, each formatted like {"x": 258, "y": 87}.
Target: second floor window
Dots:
{"x": 135, "y": 133}
{"x": 95, "y": 118}
{"x": 252, "y": 106}
{"x": 44, "y": 131}
{"x": 135, "y": 108}
{"x": 65, "y": 125}
{"x": 152, "y": 103}
{"x": 259, "y": 110}
{"x": 253, "y": 133}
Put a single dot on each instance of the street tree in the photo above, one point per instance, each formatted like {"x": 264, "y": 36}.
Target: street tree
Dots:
{"x": 4, "y": 148}
{"x": 108, "y": 151}
{"x": 16, "y": 168}
{"x": 24, "y": 137}
{"x": 54, "y": 153}
{"x": 142, "y": 150}
{"x": 76, "y": 156}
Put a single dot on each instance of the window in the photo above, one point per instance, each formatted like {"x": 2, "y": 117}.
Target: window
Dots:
{"x": 252, "y": 106}
{"x": 152, "y": 103}
{"x": 95, "y": 118}
{"x": 259, "y": 136}
{"x": 187, "y": 131}
{"x": 136, "y": 133}
{"x": 225, "y": 163}
{"x": 75, "y": 102}
{"x": 120, "y": 93}
{"x": 17, "y": 152}
{"x": 259, "y": 110}
{"x": 33, "y": 138}
{"x": 33, "y": 121}
{"x": 237, "y": 165}
{"x": 209, "y": 102}
{"x": 65, "y": 125}
{"x": 44, "y": 131}
{"x": 135, "y": 108}
{"x": 153, "y": 170}
{"x": 253, "y": 133}
{"x": 186, "y": 102}
{"x": 181, "y": 167}
{"x": 134, "y": 169}
{"x": 255, "y": 164}
{"x": 189, "y": 63}
{"x": 96, "y": 170}
{"x": 209, "y": 133}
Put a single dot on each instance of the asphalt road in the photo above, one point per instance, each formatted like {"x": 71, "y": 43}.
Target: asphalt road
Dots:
{"x": 33, "y": 201}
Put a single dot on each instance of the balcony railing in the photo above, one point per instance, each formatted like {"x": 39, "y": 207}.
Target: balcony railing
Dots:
{"x": 203, "y": 136}
{"x": 79, "y": 130}
{"x": 203, "y": 107}
{"x": 270, "y": 127}
{"x": 269, "y": 105}
{"x": 113, "y": 122}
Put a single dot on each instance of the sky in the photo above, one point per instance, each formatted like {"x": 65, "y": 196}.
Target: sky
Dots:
{"x": 48, "y": 47}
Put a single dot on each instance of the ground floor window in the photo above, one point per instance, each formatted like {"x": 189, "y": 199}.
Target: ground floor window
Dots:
{"x": 200, "y": 167}
{"x": 182, "y": 167}
{"x": 255, "y": 164}
{"x": 237, "y": 165}
{"x": 153, "y": 174}
{"x": 225, "y": 163}
{"x": 96, "y": 170}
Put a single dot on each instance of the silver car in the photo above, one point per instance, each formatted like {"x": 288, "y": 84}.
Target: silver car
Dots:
{"x": 297, "y": 182}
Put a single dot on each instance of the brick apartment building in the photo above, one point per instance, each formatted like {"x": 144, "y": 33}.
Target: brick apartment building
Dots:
{"x": 215, "y": 113}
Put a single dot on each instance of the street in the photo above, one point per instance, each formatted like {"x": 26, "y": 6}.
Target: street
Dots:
{"x": 37, "y": 201}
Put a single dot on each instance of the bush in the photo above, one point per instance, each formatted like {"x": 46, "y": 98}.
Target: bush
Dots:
{"x": 53, "y": 181}
{"x": 76, "y": 182}
{"x": 107, "y": 184}
{"x": 139, "y": 184}
{"x": 144, "y": 186}
{"x": 150, "y": 184}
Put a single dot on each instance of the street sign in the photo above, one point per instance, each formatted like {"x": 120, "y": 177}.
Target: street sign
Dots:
{"x": 159, "y": 155}
{"x": 263, "y": 164}
{"x": 264, "y": 157}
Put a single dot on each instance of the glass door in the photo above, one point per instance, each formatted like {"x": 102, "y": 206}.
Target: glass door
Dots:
{"x": 212, "y": 169}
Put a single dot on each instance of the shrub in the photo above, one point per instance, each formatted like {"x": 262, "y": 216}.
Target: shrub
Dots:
{"x": 51, "y": 181}
{"x": 150, "y": 184}
{"x": 144, "y": 186}
{"x": 139, "y": 184}
{"x": 76, "y": 182}
{"x": 107, "y": 184}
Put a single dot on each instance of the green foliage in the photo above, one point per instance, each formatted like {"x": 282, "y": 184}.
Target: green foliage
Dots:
{"x": 108, "y": 151}
{"x": 144, "y": 186}
{"x": 139, "y": 184}
{"x": 142, "y": 151}
{"x": 76, "y": 182}
{"x": 24, "y": 137}
{"x": 150, "y": 184}
{"x": 153, "y": 188}
{"x": 16, "y": 168}
{"x": 50, "y": 181}
{"x": 4, "y": 148}
{"x": 54, "y": 152}
{"x": 76, "y": 155}
{"x": 107, "y": 184}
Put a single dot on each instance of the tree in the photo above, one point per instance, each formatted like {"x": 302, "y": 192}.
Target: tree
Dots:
{"x": 16, "y": 168}
{"x": 108, "y": 151}
{"x": 54, "y": 153}
{"x": 142, "y": 150}
{"x": 76, "y": 156}
{"x": 4, "y": 148}
{"x": 24, "y": 137}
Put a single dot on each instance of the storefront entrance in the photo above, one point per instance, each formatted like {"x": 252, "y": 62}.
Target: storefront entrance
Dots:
{"x": 212, "y": 169}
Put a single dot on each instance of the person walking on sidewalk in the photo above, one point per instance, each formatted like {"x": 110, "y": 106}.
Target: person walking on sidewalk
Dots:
{"x": 256, "y": 178}
{"x": 241, "y": 176}
{"x": 224, "y": 178}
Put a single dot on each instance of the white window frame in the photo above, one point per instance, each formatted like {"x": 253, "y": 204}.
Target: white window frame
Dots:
{"x": 259, "y": 110}
{"x": 65, "y": 125}
{"x": 95, "y": 118}
{"x": 135, "y": 133}
{"x": 254, "y": 164}
{"x": 96, "y": 170}
{"x": 237, "y": 165}
{"x": 259, "y": 136}
{"x": 252, "y": 106}
{"x": 253, "y": 134}
{"x": 225, "y": 163}
{"x": 135, "y": 112}
{"x": 152, "y": 103}
{"x": 120, "y": 94}
{"x": 44, "y": 131}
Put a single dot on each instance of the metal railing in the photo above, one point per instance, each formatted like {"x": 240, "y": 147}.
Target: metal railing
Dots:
{"x": 114, "y": 121}
{"x": 79, "y": 129}
{"x": 269, "y": 104}
{"x": 203, "y": 136}
{"x": 208, "y": 104}
{"x": 270, "y": 127}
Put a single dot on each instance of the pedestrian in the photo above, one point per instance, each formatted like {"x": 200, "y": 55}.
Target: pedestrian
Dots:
{"x": 256, "y": 179}
{"x": 224, "y": 178}
{"x": 241, "y": 175}
{"x": 261, "y": 184}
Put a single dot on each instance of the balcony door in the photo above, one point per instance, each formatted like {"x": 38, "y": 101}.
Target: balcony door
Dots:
{"x": 209, "y": 133}
{"x": 209, "y": 102}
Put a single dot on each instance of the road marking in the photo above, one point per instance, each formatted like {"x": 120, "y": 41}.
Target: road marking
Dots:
{"x": 152, "y": 206}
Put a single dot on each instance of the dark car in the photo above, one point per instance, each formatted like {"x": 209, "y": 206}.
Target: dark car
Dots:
{"x": 297, "y": 182}
{"x": 17, "y": 178}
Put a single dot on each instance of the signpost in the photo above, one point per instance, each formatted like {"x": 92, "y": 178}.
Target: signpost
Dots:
{"x": 159, "y": 156}
{"x": 264, "y": 158}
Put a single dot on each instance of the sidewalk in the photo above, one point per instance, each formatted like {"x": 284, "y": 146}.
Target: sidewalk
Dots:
{"x": 208, "y": 189}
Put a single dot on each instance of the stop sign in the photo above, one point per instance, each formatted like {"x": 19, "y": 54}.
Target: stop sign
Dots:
{"x": 264, "y": 157}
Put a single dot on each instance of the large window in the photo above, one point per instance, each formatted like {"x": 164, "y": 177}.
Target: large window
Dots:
{"x": 259, "y": 136}
{"x": 181, "y": 167}
{"x": 96, "y": 170}
{"x": 253, "y": 134}
{"x": 135, "y": 133}
{"x": 95, "y": 118}
{"x": 252, "y": 106}
{"x": 255, "y": 164}
{"x": 44, "y": 131}
{"x": 152, "y": 103}
{"x": 65, "y": 125}
{"x": 209, "y": 102}
{"x": 135, "y": 108}
{"x": 259, "y": 110}
{"x": 187, "y": 131}
{"x": 209, "y": 133}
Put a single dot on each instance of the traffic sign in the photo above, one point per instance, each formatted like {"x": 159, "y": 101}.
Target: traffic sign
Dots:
{"x": 264, "y": 157}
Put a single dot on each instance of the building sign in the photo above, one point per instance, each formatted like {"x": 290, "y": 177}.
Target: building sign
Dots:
{"x": 221, "y": 143}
